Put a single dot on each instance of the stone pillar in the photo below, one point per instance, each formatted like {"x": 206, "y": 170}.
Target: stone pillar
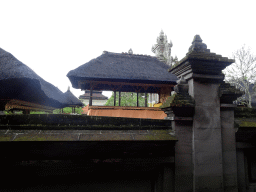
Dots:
{"x": 179, "y": 108}
{"x": 183, "y": 155}
{"x": 90, "y": 99}
{"x": 206, "y": 137}
{"x": 228, "y": 94}
{"x": 114, "y": 98}
{"x": 241, "y": 170}
{"x": 228, "y": 148}
{"x": 203, "y": 72}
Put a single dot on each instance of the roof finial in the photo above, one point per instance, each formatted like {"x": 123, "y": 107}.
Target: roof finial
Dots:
{"x": 68, "y": 88}
{"x": 130, "y": 51}
{"x": 198, "y": 45}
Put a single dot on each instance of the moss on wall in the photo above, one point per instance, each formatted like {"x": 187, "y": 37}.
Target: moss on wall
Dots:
{"x": 245, "y": 112}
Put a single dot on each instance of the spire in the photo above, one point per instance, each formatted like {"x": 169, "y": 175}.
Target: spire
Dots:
{"x": 68, "y": 88}
{"x": 198, "y": 45}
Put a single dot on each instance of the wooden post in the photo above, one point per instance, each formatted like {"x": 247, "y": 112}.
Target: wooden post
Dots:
{"x": 114, "y": 98}
{"x": 119, "y": 102}
{"x": 90, "y": 99}
{"x": 137, "y": 99}
{"x": 146, "y": 100}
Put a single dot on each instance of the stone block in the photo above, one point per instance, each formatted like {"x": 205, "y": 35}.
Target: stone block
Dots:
{"x": 46, "y": 137}
{"x": 206, "y": 94}
{"x": 184, "y": 136}
{"x": 229, "y": 144}
{"x": 204, "y": 134}
{"x": 209, "y": 183}
{"x": 106, "y": 137}
{"x": 229, "y": 162}
{"x": 208, "y": 158}
{"x": 227, "y": 117}
{"x": 230, "y": 181}
{"x": 183, "y": 148}
{"x": 183, "y": 159}
{"x": 183, "y": 182}
{"x": 212, "y": 145}
{"x": 227, "y": 123}
{"x": 206, "y": 117}
{"x": 208, "y": 170}
{"x": 183, "y": 170}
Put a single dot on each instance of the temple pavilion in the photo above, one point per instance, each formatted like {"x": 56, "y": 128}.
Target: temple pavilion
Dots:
{"x": 124, "y": 72}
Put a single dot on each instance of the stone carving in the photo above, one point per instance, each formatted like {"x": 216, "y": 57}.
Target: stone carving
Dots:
{"x": 198, "y": 45}
{"x": 162, "y": 49}
{"x": 179, "y": 97}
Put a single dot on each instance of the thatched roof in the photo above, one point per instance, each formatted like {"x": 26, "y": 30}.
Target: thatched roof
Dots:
{"x": 122, "y": 67}
{"x": 18, "y": 81}
{"x": 71, "y": 99}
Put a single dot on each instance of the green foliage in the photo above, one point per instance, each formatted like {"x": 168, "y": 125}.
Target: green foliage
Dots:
{"x": 12, "y": 112}
{"x": 127, "y": 99}
{"x": 38, "y": 112}
{"x": 175, "y": 61}
{"x": 66, "y": 110}
{"x": 58, "y": 111}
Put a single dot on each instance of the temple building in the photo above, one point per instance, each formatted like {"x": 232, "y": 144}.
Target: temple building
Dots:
{"x": 72, "y": 101}
{"x": 205, "y": 144}
{"x": 98, "y": 98}
{"x": 124, "y": 72}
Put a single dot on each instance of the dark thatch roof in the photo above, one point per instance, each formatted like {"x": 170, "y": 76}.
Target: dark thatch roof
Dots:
{"x": 123, "y": 67}
{"x": 18, "y": 81}
{"x": 71, "y": 99}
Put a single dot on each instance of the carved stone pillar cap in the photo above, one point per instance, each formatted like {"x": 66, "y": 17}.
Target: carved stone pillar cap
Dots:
{"x": 198, "y": 45}
{"x": 182, "y": 86}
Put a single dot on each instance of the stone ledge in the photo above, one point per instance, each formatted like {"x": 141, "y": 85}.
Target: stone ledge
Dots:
{"x": 86, "y": 135}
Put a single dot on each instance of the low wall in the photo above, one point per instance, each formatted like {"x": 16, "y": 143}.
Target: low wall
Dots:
{"x": 61, "y": 127}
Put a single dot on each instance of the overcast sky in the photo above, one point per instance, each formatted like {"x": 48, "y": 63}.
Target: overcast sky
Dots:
{"x": 53, "y": 37}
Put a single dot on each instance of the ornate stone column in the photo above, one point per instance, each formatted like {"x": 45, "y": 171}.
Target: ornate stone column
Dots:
{"x": 203, "y": 72}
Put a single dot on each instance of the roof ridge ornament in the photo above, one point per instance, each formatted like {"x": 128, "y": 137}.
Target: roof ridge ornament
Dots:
{"x": 198, "y": 45}
{"x": 130, "y": 51}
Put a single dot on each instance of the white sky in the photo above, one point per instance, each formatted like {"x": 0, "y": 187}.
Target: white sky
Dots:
{"x": 53, "y": 37}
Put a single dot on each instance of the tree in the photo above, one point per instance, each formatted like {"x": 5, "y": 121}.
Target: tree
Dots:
{"x": 127, "y": 99}
{"x": 175, "y": 61}
{"x": 242, "y": 73}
